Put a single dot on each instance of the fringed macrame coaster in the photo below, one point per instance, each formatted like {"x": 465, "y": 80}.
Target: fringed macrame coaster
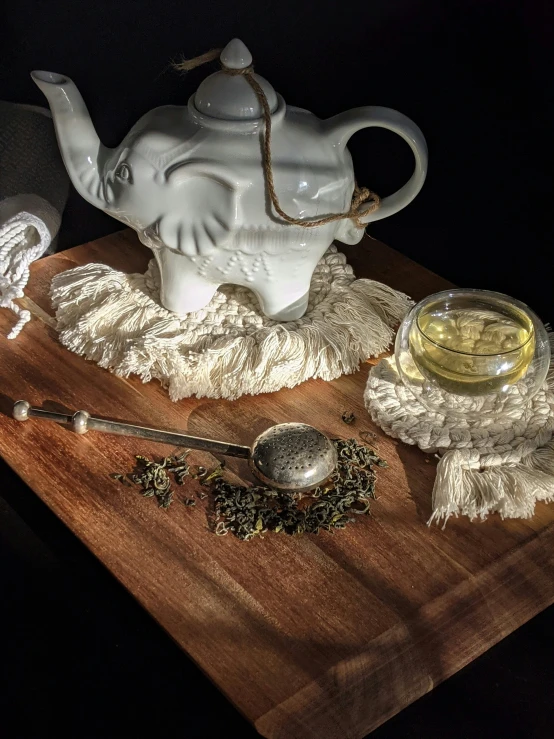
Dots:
{"x": 229, "y": 348}
{"x": 503, "y": 465}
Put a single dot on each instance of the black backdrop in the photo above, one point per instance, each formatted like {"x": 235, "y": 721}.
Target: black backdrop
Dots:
{"x": 474, "y": 74}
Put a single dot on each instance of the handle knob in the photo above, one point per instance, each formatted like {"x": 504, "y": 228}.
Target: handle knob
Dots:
{"x": 80, "y": 422}
{"x": 21, "y": 410}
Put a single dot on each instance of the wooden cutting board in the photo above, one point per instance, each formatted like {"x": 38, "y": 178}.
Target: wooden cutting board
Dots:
{"x": 314, "y": 637}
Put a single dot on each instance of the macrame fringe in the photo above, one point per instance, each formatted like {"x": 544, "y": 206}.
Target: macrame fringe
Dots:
{"x": 510, "y": 490}
{"x": 115, "y": 320}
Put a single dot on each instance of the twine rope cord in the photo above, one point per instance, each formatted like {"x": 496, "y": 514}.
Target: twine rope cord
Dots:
{"x": 360, "y": 195}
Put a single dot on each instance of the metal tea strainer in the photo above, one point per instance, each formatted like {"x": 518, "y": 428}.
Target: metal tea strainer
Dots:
{"x": 288, "y": 456}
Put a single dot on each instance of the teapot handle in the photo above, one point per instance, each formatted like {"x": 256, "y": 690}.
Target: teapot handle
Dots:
{"x": 342, "y": 126}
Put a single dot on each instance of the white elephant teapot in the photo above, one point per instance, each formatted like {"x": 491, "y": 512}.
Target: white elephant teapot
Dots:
{"x": 237, "y": 187}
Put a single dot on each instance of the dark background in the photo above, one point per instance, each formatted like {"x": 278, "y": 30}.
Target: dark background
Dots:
{"x": 475, "y": 75}
{"x": 78, "y": 655}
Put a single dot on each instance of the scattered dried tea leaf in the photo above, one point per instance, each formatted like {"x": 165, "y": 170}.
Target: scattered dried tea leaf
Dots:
{"x": 250, "y": 511}
{"x": 200, "y": 472}
{"x": 210, "y": 476}
{"x": 154, "y": 477}
{"x": 348, "y": 417}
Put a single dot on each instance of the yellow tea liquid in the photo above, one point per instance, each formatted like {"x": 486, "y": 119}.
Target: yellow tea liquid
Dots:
{"x": 469, "y": 351}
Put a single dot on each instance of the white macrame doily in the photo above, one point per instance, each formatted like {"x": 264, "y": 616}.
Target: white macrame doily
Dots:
{"x": 501, "y": 465}
{"x": 229, "y": 348}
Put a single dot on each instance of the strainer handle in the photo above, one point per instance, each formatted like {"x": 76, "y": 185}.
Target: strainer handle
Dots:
{"x": 82, "y": 421}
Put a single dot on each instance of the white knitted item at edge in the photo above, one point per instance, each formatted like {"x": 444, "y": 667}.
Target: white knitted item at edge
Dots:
{"x": 501, "y": 465}
{"x": 19, "y": 247}
{"x": 229, "y": 348}
{"x": 25, "y": 236}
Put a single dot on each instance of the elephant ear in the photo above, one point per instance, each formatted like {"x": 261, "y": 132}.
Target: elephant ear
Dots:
{"x": 204, "y": 211}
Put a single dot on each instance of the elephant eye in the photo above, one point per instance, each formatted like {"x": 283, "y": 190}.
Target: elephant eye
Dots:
{"x": 123, "y": 172}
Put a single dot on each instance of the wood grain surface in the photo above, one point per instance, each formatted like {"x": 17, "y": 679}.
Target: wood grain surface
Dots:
{"x": 313, "y": 637}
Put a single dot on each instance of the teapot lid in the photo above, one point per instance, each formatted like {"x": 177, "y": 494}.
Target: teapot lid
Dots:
{"x": 229, "y": 97}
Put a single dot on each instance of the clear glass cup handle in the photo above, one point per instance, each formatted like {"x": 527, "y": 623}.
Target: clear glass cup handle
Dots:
{"x": 341, "y": 127}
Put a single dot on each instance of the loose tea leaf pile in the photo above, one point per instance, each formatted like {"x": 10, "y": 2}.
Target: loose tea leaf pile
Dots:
{"x": 154, "y": 477}
{"x": 246, "y": 512}
{"x": 249, "y": 511}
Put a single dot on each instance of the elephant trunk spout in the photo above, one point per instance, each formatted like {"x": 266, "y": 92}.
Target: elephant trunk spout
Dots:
{"x": 82, "y": 152}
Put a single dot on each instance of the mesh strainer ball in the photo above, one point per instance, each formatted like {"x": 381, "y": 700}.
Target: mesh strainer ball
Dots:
{"x": 293, "y": 456}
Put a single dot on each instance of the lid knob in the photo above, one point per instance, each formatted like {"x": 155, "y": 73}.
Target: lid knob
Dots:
{"x": 236, "y": 55}
{"x": 229, "y": 97}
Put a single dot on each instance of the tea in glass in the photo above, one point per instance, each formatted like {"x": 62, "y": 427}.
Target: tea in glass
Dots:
{"x": 471, "y": 349}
